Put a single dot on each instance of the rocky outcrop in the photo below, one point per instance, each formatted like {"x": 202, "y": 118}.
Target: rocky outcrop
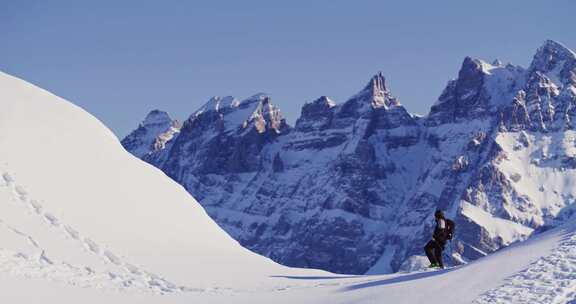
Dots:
{"x": 316, "y": 115}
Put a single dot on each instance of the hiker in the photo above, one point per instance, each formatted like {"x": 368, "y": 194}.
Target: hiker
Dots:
{"x": 442, "y": 233}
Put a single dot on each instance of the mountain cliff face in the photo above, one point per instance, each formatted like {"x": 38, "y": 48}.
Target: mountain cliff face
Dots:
{"x": 152, "y": 134}
{"x": 352, "y": 187}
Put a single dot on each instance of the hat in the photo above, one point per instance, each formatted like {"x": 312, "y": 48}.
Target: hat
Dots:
{"x": 438, "y": 214}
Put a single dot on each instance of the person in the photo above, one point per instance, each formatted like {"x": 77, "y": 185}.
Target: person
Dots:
{"x": 435, "y": 246}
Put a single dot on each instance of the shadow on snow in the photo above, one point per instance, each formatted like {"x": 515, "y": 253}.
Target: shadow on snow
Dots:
{"x": 373, "y": 283}
{"x": 399, "y": 279}
{"x": 317, "y": 277}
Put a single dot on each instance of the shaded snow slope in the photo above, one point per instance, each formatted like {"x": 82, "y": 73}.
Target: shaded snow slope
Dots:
{"x": 74, "y": 203}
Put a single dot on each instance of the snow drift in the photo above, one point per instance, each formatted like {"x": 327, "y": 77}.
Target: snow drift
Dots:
{"x": 75, "y": 206}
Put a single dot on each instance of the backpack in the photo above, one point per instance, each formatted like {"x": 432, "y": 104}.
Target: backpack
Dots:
{"x": 450, "y": 226}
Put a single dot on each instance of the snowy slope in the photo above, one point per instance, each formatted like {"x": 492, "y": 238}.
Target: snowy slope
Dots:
{"x": 540, "y": 270}
{"x": 76, "y": 207}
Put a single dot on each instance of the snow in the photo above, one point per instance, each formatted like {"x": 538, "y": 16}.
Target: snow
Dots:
{"x": 502, "y": 82}
{"x": 243, "y": 112}
{"x": 456, "y": 285}
{"x": 383, "y": 264}
{"x": 547, "y": 187}
{"x": 218, "y": 103}
{"x": 551, "y": 279}
{"x": 81, "y": 177}
{"x": 482, "y": 281}
{"x": 235, "y": 114}
{"x": 509, "y": 231}
{"x": 76, "y": 210}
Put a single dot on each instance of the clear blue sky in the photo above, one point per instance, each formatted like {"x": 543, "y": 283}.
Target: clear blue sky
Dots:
{"x": 120, "y": 59}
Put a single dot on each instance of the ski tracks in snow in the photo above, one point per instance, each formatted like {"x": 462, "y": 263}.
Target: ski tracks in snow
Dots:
{"x": 551, "y": 279}
{"x": 124, "y": 277}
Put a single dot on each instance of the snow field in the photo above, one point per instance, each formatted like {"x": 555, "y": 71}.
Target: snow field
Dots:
{"x": 32, "y": 242}
{"x": 551, "y": 279}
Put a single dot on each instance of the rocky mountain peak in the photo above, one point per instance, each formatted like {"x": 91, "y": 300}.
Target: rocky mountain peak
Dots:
{"x": 152, "y": 134}
{"x": 321, "y": 104}
{"x": 377, "y": 93}
{"x": 480, "y": 90}
{"x": 256, "y": 98}
{"x": 325, "y": 100}
{"x": 316, "y": 115}
{"x": 471, "y": 69}
{"x": 497, "y": 62}
{"x": 265, "y": 116}
{"x": 157, "y": 117}
{"x": 217, "y": 103}
{"x": 556, "y": 61}
{"x": 377, "y": 83}
{"x": 461, "y": 95}
{"x": 553, "y": 51}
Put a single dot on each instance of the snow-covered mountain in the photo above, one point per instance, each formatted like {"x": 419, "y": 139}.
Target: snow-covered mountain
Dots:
{"x": 351, "y": 187}
{"x": 152, "y": 134}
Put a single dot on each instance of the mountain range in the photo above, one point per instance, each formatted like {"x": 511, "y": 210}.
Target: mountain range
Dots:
{"x": 352, "y": 187}
{"x": 83, "y": 221}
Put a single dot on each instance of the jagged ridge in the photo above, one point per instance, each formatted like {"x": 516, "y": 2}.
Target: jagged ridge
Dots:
{"x": 352, "y": 186}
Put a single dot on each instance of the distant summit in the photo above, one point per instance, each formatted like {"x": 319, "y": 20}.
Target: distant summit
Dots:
{"x": 152, "y": 134}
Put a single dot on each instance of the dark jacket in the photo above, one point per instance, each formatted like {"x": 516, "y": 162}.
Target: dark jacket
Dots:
{"x": 440, "y": 231}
